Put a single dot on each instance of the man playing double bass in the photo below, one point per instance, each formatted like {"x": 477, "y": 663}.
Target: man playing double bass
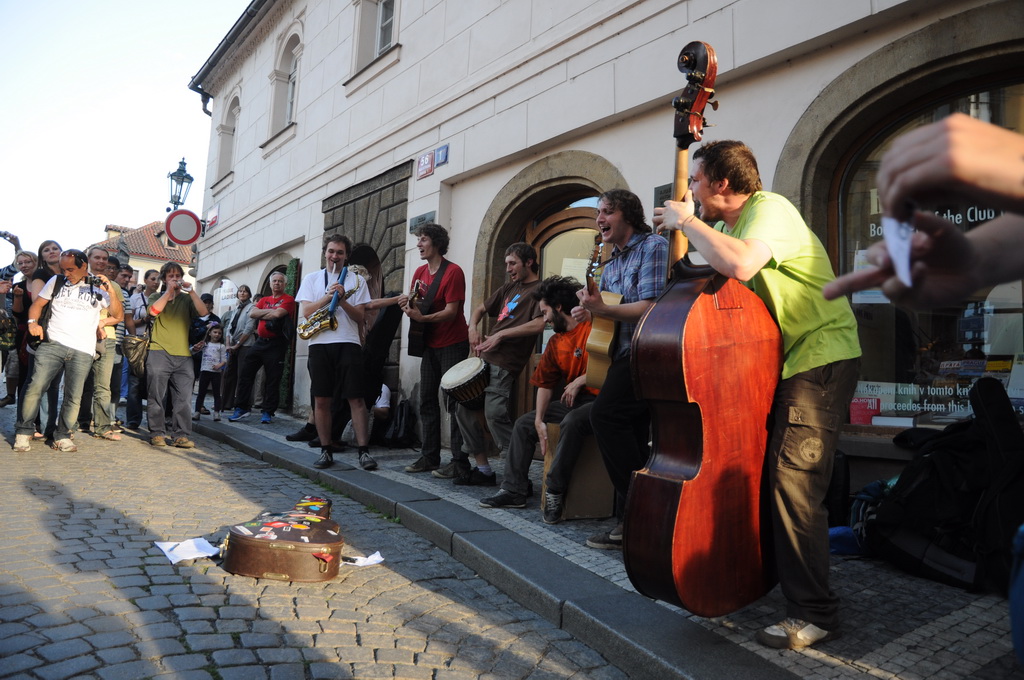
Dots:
{"x": 636, "y": 271}
{"x": 760, "y": 239}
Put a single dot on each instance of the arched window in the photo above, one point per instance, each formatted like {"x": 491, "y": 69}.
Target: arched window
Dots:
{"x": 920, "y": 365}
{"x": 226, "y": 140}
{"x": 285, "y": 83}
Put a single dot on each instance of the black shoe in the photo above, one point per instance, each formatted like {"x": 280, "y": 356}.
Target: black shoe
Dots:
{"x": 421, "y": 465}
{"x": 325, "y": 460}
{"x": 504, "y": 499}
{"x": 306, "y": 433}
{"x": 205, "y": 411}
{"x": 476, "y": 478}
{"x": 366, "y": 461}
{"x": 554, "y": 506}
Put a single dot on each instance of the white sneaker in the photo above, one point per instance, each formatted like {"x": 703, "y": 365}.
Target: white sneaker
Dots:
{"x": 195, "y": 416}
{"x": 216, "y": 416}
{"x": 22, "y": 442}
{"x": 65, "y": 445}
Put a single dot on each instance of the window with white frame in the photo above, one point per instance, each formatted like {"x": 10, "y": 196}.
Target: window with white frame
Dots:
{"x": 285, "y": 83}
{"x": 226, "y": 140}
{"x": 385, "y": 25}
{"x": 376, "y": 30}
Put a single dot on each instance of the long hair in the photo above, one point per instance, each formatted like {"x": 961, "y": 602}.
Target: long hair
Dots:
{"x": 40, "y": 262}
{"x": 209, "y": 329}
{"x": 630, "y": 205}
{"x": 167, "y": 269}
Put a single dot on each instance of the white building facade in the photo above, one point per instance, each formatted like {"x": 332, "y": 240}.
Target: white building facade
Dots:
{"x": 498, "y": 119}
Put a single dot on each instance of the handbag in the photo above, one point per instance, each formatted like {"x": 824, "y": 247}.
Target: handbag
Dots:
{"x": 135, "y": 348}
{"x": 44, "y": 317}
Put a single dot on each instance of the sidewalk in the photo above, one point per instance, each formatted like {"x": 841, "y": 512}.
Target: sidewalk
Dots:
{"x": 894, "y": 625}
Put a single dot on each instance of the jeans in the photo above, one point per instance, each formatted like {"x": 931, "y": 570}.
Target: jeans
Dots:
{"x": 172, "y": 376}
{"x": 270, "y": 356}
{"x": 230, "y": 380}
{"x": 497, "y": 411}
{"x": 574, "y": 426}
{"x": 51, "y": 359}
{"x": 102, "y": 368}
{"x": 47, "y": 412}
{"x": 133, "y": 403}
{"x": 808, "y": 411}
{"x": 435, "y": 362}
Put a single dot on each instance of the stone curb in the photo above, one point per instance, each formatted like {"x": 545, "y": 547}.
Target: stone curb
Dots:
{"x": 635, "y": 633}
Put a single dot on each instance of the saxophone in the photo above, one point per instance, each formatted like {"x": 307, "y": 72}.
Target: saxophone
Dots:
{"x": 323, "y": 318}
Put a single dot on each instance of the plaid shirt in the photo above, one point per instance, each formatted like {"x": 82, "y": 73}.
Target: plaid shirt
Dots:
{"x": 637, "y": 275}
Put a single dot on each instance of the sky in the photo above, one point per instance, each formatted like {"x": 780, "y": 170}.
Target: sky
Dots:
{"x": 96, "y": 112}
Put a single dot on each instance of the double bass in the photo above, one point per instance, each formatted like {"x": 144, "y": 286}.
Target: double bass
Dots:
{"x": 706, "y": 357}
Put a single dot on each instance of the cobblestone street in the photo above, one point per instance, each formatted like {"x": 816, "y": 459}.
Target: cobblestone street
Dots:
{"x": 85, "y": 593}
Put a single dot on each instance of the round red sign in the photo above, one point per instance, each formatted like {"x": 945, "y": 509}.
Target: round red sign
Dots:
{"x": 183, "y": 227}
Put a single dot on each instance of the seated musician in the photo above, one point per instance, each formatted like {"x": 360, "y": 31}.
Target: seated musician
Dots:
{"x": 505, "y": 351}
{"x": 760, "y": 239}
{"x": 564, "y": 362}
{"x": 637, "y": 271}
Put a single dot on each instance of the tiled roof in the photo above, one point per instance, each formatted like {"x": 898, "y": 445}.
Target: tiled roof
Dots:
{"x": 147, "y": 241}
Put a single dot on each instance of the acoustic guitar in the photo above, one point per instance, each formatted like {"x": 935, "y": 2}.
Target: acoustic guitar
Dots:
{"x": 417, "y": 329}
{"x": 604, "y": 331}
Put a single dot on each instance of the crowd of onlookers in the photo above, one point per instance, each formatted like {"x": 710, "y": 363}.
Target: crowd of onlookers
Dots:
{"x": 64, "y": 366}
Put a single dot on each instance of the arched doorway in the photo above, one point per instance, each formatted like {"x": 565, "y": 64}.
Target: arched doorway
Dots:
{"x": 550, "y": 205}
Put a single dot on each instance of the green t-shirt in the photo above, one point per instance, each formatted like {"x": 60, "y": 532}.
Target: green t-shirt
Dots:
{"x": 170, "y": 327}
{"x": 815, "y": 331}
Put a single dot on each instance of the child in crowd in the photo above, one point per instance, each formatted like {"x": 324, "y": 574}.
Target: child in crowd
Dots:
{"x": 214, "y": 358}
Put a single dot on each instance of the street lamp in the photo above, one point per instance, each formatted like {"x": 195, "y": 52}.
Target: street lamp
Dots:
{"x": 181, "y": 182}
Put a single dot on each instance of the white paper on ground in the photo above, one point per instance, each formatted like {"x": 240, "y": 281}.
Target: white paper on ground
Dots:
{"x": 897, "y": 240}
{"x": 357, "y": 561}
{"x": 187, "y": 550}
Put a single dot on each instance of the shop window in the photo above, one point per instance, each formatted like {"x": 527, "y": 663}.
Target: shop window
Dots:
{"x": 918, "y": 366}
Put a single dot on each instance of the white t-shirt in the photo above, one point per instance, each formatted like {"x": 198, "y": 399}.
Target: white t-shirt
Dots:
{"x": 75, "y": 314}
{"x": 314, "y": 287}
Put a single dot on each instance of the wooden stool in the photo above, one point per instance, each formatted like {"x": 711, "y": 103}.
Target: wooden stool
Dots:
{"x": 590, "y": 494}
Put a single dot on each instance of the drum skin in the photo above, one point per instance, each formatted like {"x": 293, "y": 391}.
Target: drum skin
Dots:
{"x": 466, "y": 381}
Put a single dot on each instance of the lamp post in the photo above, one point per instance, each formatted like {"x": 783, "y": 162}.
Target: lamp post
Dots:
{"x": 181, "y": 182}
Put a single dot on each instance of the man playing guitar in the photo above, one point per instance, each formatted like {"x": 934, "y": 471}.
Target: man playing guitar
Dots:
{"x": 636, "y": 271}
{"x": 446, "y": 340}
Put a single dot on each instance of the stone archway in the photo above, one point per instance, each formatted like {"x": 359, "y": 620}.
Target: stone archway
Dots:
{"x": 564, "y": 176}
{"x": 880, "y": 88}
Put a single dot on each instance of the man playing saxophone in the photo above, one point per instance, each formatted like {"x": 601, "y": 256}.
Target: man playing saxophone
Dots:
{"x": 335, "y": 360}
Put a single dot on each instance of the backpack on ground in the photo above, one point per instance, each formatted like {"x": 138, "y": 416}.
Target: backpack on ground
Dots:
{"x": 953, "y": 512}
{"x": 401, "y": 432}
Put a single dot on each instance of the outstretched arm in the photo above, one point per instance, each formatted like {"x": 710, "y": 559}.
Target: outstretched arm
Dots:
{"x": 947, "y": 265}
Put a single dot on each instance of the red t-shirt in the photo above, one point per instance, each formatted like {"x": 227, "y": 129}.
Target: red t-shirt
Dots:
{"x": 271, "y": 302}
{"x": 451, "y": 289}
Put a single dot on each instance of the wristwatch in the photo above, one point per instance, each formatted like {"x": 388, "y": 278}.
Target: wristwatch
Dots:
{"x": 32, "y": 320}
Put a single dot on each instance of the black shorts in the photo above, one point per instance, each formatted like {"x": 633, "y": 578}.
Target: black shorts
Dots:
{"x": 336, "y": 370}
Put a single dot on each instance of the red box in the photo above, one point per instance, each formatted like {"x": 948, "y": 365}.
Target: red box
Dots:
{"x": 862, "y": 408}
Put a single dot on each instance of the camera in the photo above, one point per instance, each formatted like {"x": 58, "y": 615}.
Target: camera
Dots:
{"x": 93, "y": 280}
